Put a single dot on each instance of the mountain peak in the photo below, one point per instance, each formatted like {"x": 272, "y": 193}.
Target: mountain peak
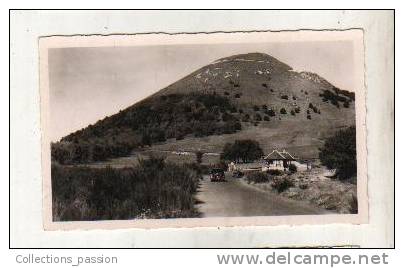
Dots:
{"x": 255, "y": 58}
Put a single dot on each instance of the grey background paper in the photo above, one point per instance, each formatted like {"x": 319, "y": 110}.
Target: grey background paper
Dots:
{"x": 26, "y": 181}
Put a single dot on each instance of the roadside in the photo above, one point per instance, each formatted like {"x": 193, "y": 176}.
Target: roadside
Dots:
{"x": 314, "y": 186}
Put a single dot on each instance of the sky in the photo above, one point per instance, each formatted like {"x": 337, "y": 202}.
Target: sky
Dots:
{"x": 87, "y": 84}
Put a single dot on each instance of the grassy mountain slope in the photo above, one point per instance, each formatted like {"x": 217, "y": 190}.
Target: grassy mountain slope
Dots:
{"x": 243, "y": 96}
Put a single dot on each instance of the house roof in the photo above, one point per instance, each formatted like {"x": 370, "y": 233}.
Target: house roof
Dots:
{"x": 276, "y": 155}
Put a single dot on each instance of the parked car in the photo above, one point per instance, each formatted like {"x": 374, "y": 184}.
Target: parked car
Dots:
{"x": 217, "y": 174}
{"x": 237, "y": 174}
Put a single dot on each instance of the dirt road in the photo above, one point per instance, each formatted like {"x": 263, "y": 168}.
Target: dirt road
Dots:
{"x": 235, "y": 199}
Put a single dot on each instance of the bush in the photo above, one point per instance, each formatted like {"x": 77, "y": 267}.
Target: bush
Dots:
{"x": 256, "y": 108}
{"x": 275, "y": 172}
{"x": 282, "y": 184}
{"x": 226, "y": 93}
{"x": 242, "y": 150}
{"x": 292, "y": 112}
{"x": 283, "y": 111}
{"x": 237, "y": 96}
{"x": 339, "y": 152}
{"x": 297, "y": 110}
{"x": 309, "y": 117}
{"x": 246, "y": 117}
{"x": 257, "y": 177}
{"x": 285, "y": 97}
{"x": 266, "y": 118}
{"x": 258, "y": 117}
{"x": 270, "y": 112}
{"x": 292, "y": 168}
{"x": 265, "y": 85}
{"x": 338, "y": 96}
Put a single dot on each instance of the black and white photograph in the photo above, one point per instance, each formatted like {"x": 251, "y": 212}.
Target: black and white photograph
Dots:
{"x": 200, "y": 130}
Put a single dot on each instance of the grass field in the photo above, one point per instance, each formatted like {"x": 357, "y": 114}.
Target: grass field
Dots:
{"x": 152, "y": 189}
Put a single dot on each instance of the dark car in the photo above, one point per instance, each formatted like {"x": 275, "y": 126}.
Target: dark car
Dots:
{"x": 217, "y": 174}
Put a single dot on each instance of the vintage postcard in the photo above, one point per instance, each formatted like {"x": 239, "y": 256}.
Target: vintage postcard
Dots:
{"x": 203, "y": 130}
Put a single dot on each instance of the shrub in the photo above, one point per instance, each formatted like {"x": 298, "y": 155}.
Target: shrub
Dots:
{"x": 257, "y": 177}
{"x": 285, "y": 97}
{"x": 283, "y": 111}
{"x": 226, "y": 93}
{"x": 265, "y": 85}
{"x": 264, "y": 107}
{"x": 292, "y": 112}
{"x": 294, "y": 98}
{"x": 266, "y": 118}
{"x": 240, "y": 111}
{"x": 237, "y": 96}
{"x": 271, "y": 90}
{"x": 256, "y": 108}
{"x": 292, "y": 168}
{"x": 339, "y": 152}
{"x": 270, "y": 112}
{"x": 282, "y": 184}
{"x": 275, "y": 172}
{"x": 297, "y": 110}
{"x": 258, "y": 117}
{"x": 309, "y": 117}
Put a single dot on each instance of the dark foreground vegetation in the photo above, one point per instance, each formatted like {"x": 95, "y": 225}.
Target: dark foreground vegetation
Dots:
{"x": 153, "y": 189}
{"x": 339, "y": 152}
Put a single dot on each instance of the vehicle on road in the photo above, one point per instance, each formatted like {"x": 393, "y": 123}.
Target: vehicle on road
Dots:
{"x": 217, "y": 174}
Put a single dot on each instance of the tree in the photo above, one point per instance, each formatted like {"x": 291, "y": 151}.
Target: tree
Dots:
{"x": 339, "y": 152}
{"x": 283, "y": 111}
{"x": 242, "y": 150}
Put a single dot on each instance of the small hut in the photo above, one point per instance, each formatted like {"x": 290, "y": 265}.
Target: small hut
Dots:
{"x": 278, "y": 159}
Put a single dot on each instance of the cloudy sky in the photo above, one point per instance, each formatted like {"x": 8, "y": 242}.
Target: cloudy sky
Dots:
{"x": 87, "y": 84}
